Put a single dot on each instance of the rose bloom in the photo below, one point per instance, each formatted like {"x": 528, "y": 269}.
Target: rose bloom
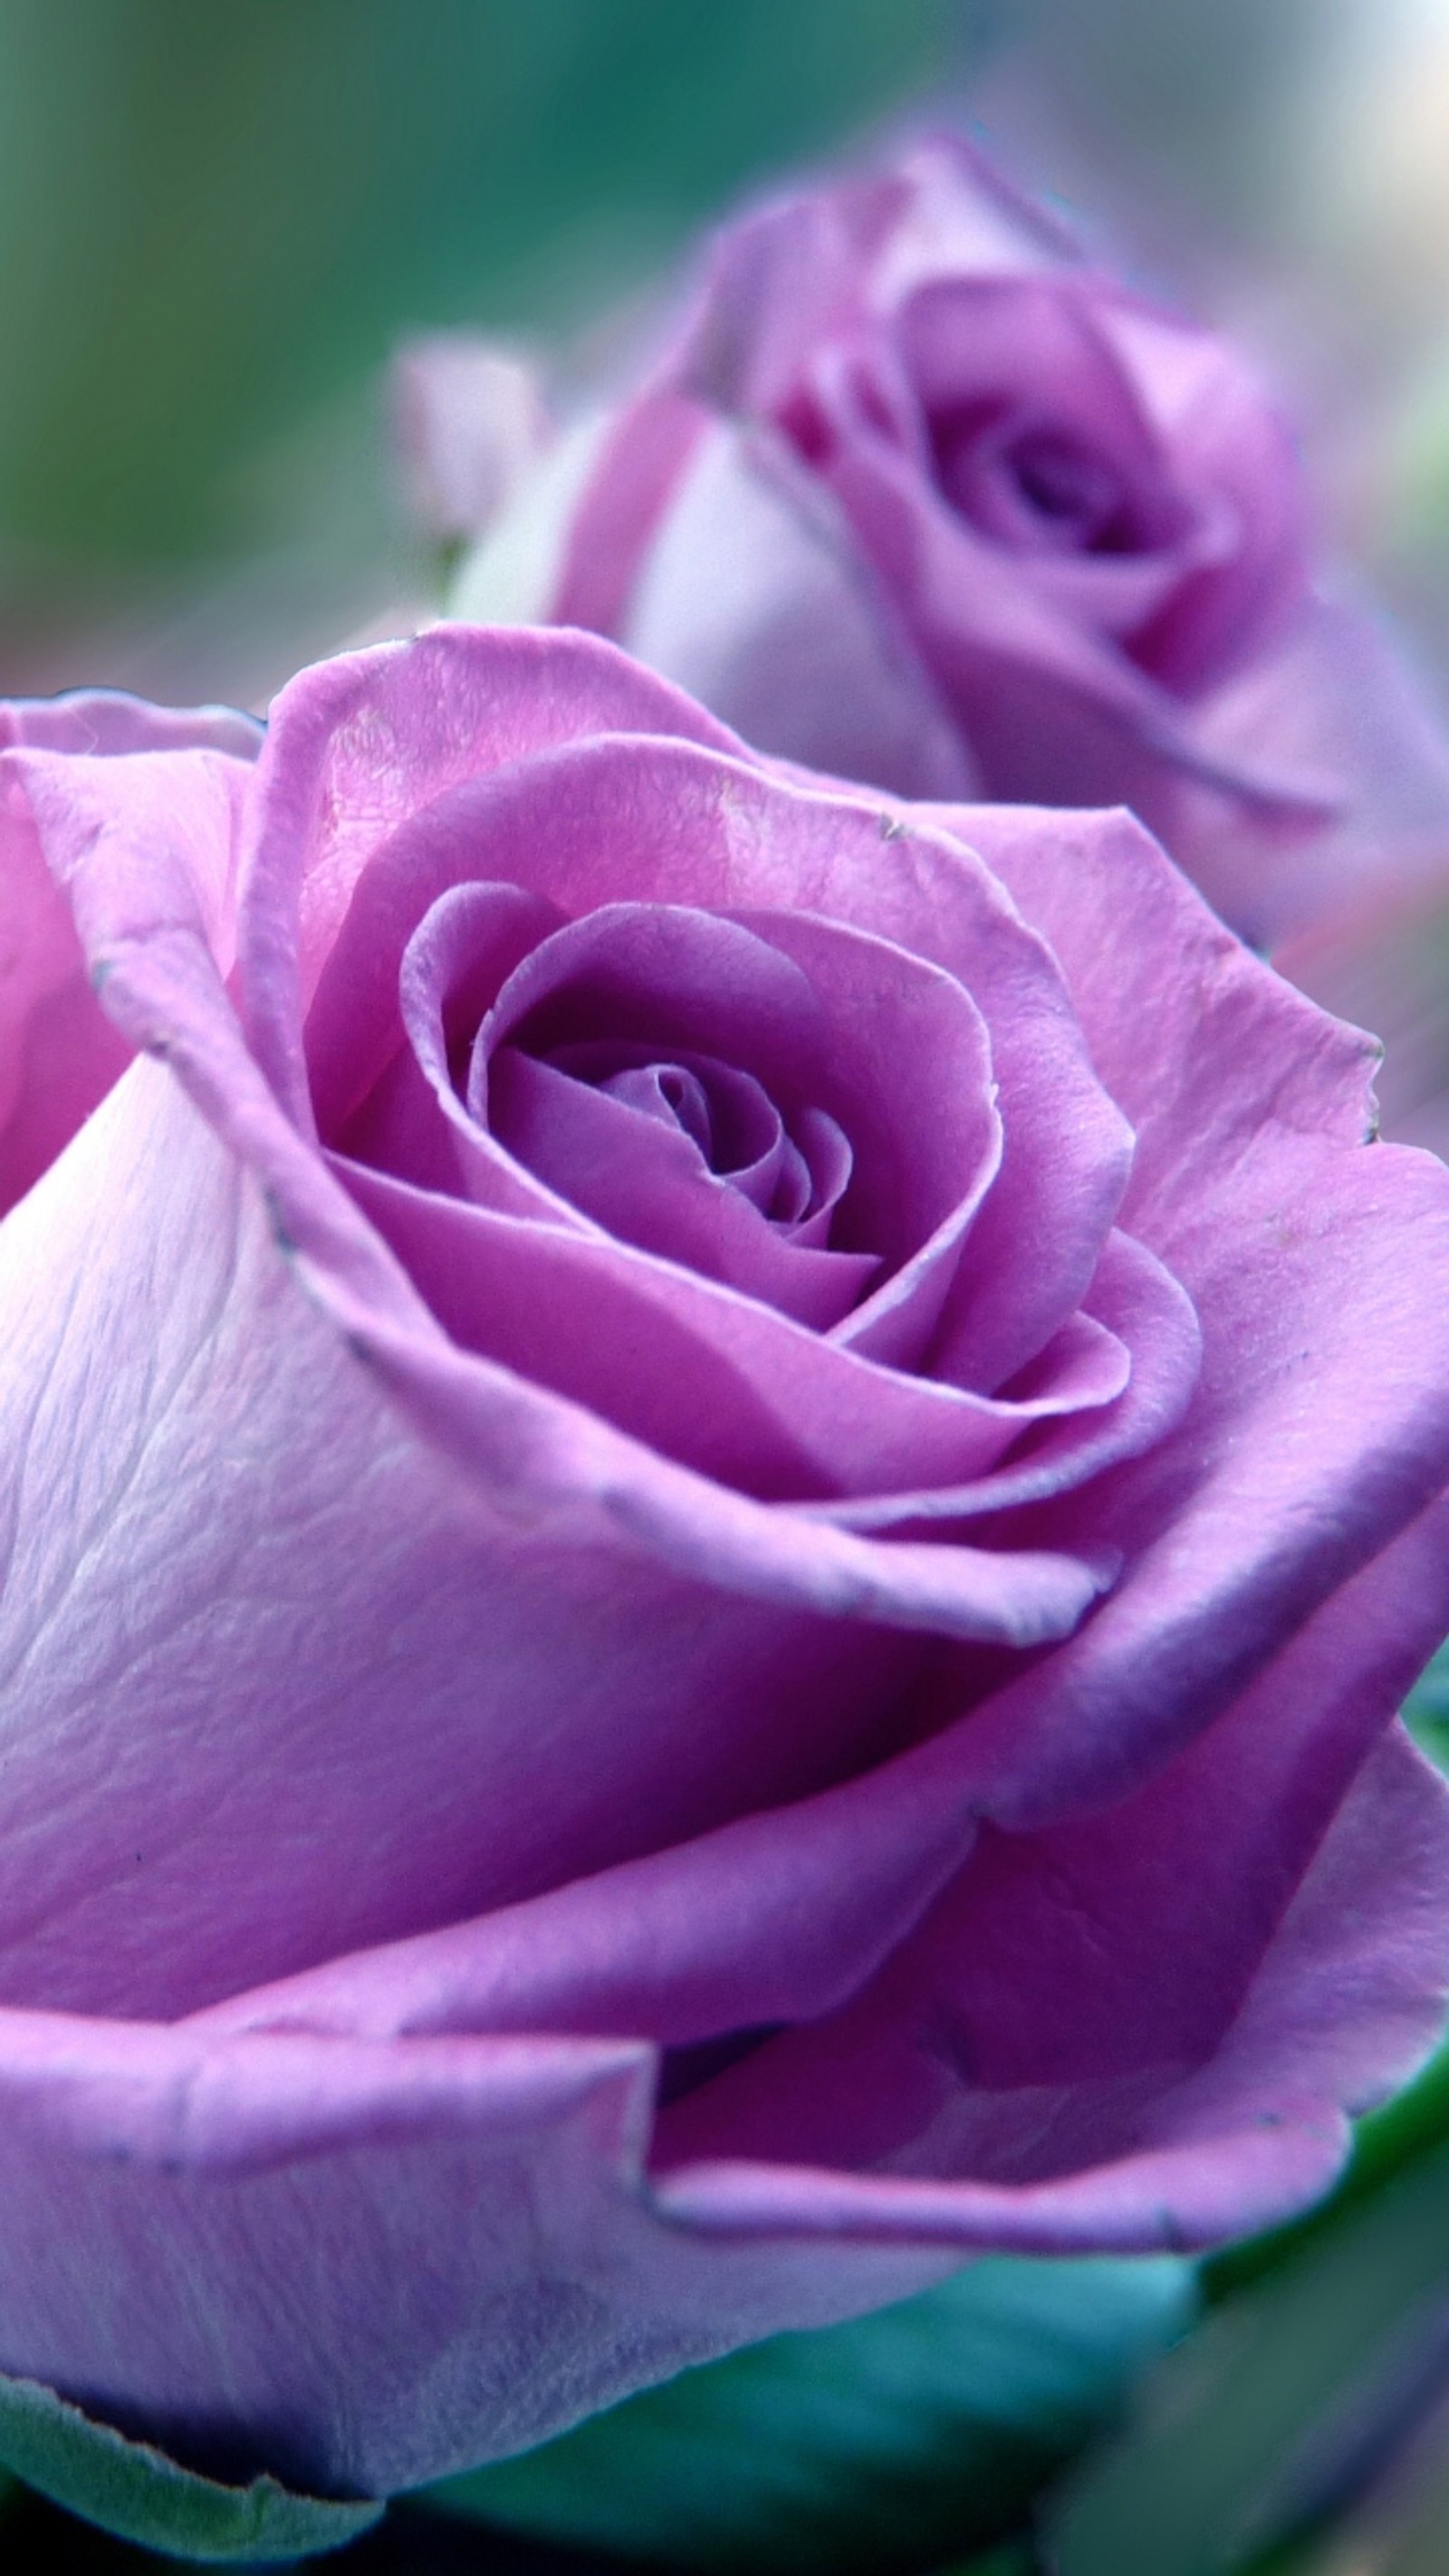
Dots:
{"x": 717, "y": 1496}
{"x": 920, "y": 493}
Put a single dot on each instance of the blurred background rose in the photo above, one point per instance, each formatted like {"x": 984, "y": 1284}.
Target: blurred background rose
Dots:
{"x": 215, "y": 224}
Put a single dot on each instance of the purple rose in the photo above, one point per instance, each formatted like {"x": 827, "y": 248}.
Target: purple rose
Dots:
{"x": 923, "y": 495}
{"x": 717, "y": 1496}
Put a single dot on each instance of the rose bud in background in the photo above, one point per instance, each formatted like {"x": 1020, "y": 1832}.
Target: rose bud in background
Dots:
{"x": 468, "y": 421}
{"x": 919, "y": 493}
{"x": 718, "y": 1494}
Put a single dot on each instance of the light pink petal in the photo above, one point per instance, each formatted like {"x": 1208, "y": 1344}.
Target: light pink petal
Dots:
{"x": 59, "y": 1054}
{"x": 755, "y": 596}
{"x": 468, "y": 420}
{"x": 642, "y": 460}
{"x": 361, "y": 744}
{"x": 1341, "y": 696}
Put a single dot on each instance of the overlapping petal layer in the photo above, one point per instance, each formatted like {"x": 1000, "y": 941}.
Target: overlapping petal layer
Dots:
{"x": 571, "y": 1796}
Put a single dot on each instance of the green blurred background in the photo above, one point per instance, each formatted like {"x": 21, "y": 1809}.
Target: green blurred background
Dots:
{"x": 216, "y": 221}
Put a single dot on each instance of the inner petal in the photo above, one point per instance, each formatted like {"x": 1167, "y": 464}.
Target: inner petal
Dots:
{"x": 737, "y": 1093}
{"x": 827, "y": 1020}
{"x": 730, "y": 1116}
{"x": 1034, "y": 485}
{"x": 795, "y": 1176}
{"x": 669, "y": 1092}
{"x": 645, "y": 1179}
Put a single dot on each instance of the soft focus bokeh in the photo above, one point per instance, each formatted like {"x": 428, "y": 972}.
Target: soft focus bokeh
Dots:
{"x": 215, "y": 223}
{"x": 215, "y": 226}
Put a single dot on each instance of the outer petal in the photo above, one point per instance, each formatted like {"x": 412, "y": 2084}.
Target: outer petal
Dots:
{"x": 1202, "y": 1059}
{"x": 511, "y": 578}
{"x": 468, "y": 420}
{"x": 1058, "y": 2166}
{"x": 214, "y": 2239}
{"x": 1038, "y": 2012}
{"x": 642, "y": 458}
{"x": 956, "y": 214}
{"x": 1341, "y": 696}
{"x": 108, "y": 722}
{"x": 363, "y": 2266}
{"x": 786, "y": 277}
{"x": 1292, "y": 1239}
{"x": 59, "y": 1054}
{"x": 966, "y": 2005}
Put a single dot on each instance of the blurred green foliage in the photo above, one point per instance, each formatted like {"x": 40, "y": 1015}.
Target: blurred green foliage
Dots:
{"x": 868, "y": 2449}
{"x": 212, "y": 219}
{"x": 1303, "y": 2430}
{"x": 1413, "y": 2123}
{"x": 128, "y": 2488}
{"x": 1264, "y": 2425}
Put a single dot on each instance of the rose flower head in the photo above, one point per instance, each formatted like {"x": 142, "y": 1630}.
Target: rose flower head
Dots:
{"x": 717, "y": 1495}
{"x": 920, "y": 492}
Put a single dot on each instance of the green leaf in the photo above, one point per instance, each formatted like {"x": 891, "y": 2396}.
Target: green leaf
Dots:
{"x": 887, "y": 2445}
{"x": 1426, "y": 1710}
{"x": 1293, "y": 2396}
{"x": 1016, "y": 2558}
{"x": 138, "y": 2494}
{"x": 1385, "y": 2142}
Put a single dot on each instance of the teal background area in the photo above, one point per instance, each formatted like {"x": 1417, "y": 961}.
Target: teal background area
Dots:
{"x": 216, "y": 221}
